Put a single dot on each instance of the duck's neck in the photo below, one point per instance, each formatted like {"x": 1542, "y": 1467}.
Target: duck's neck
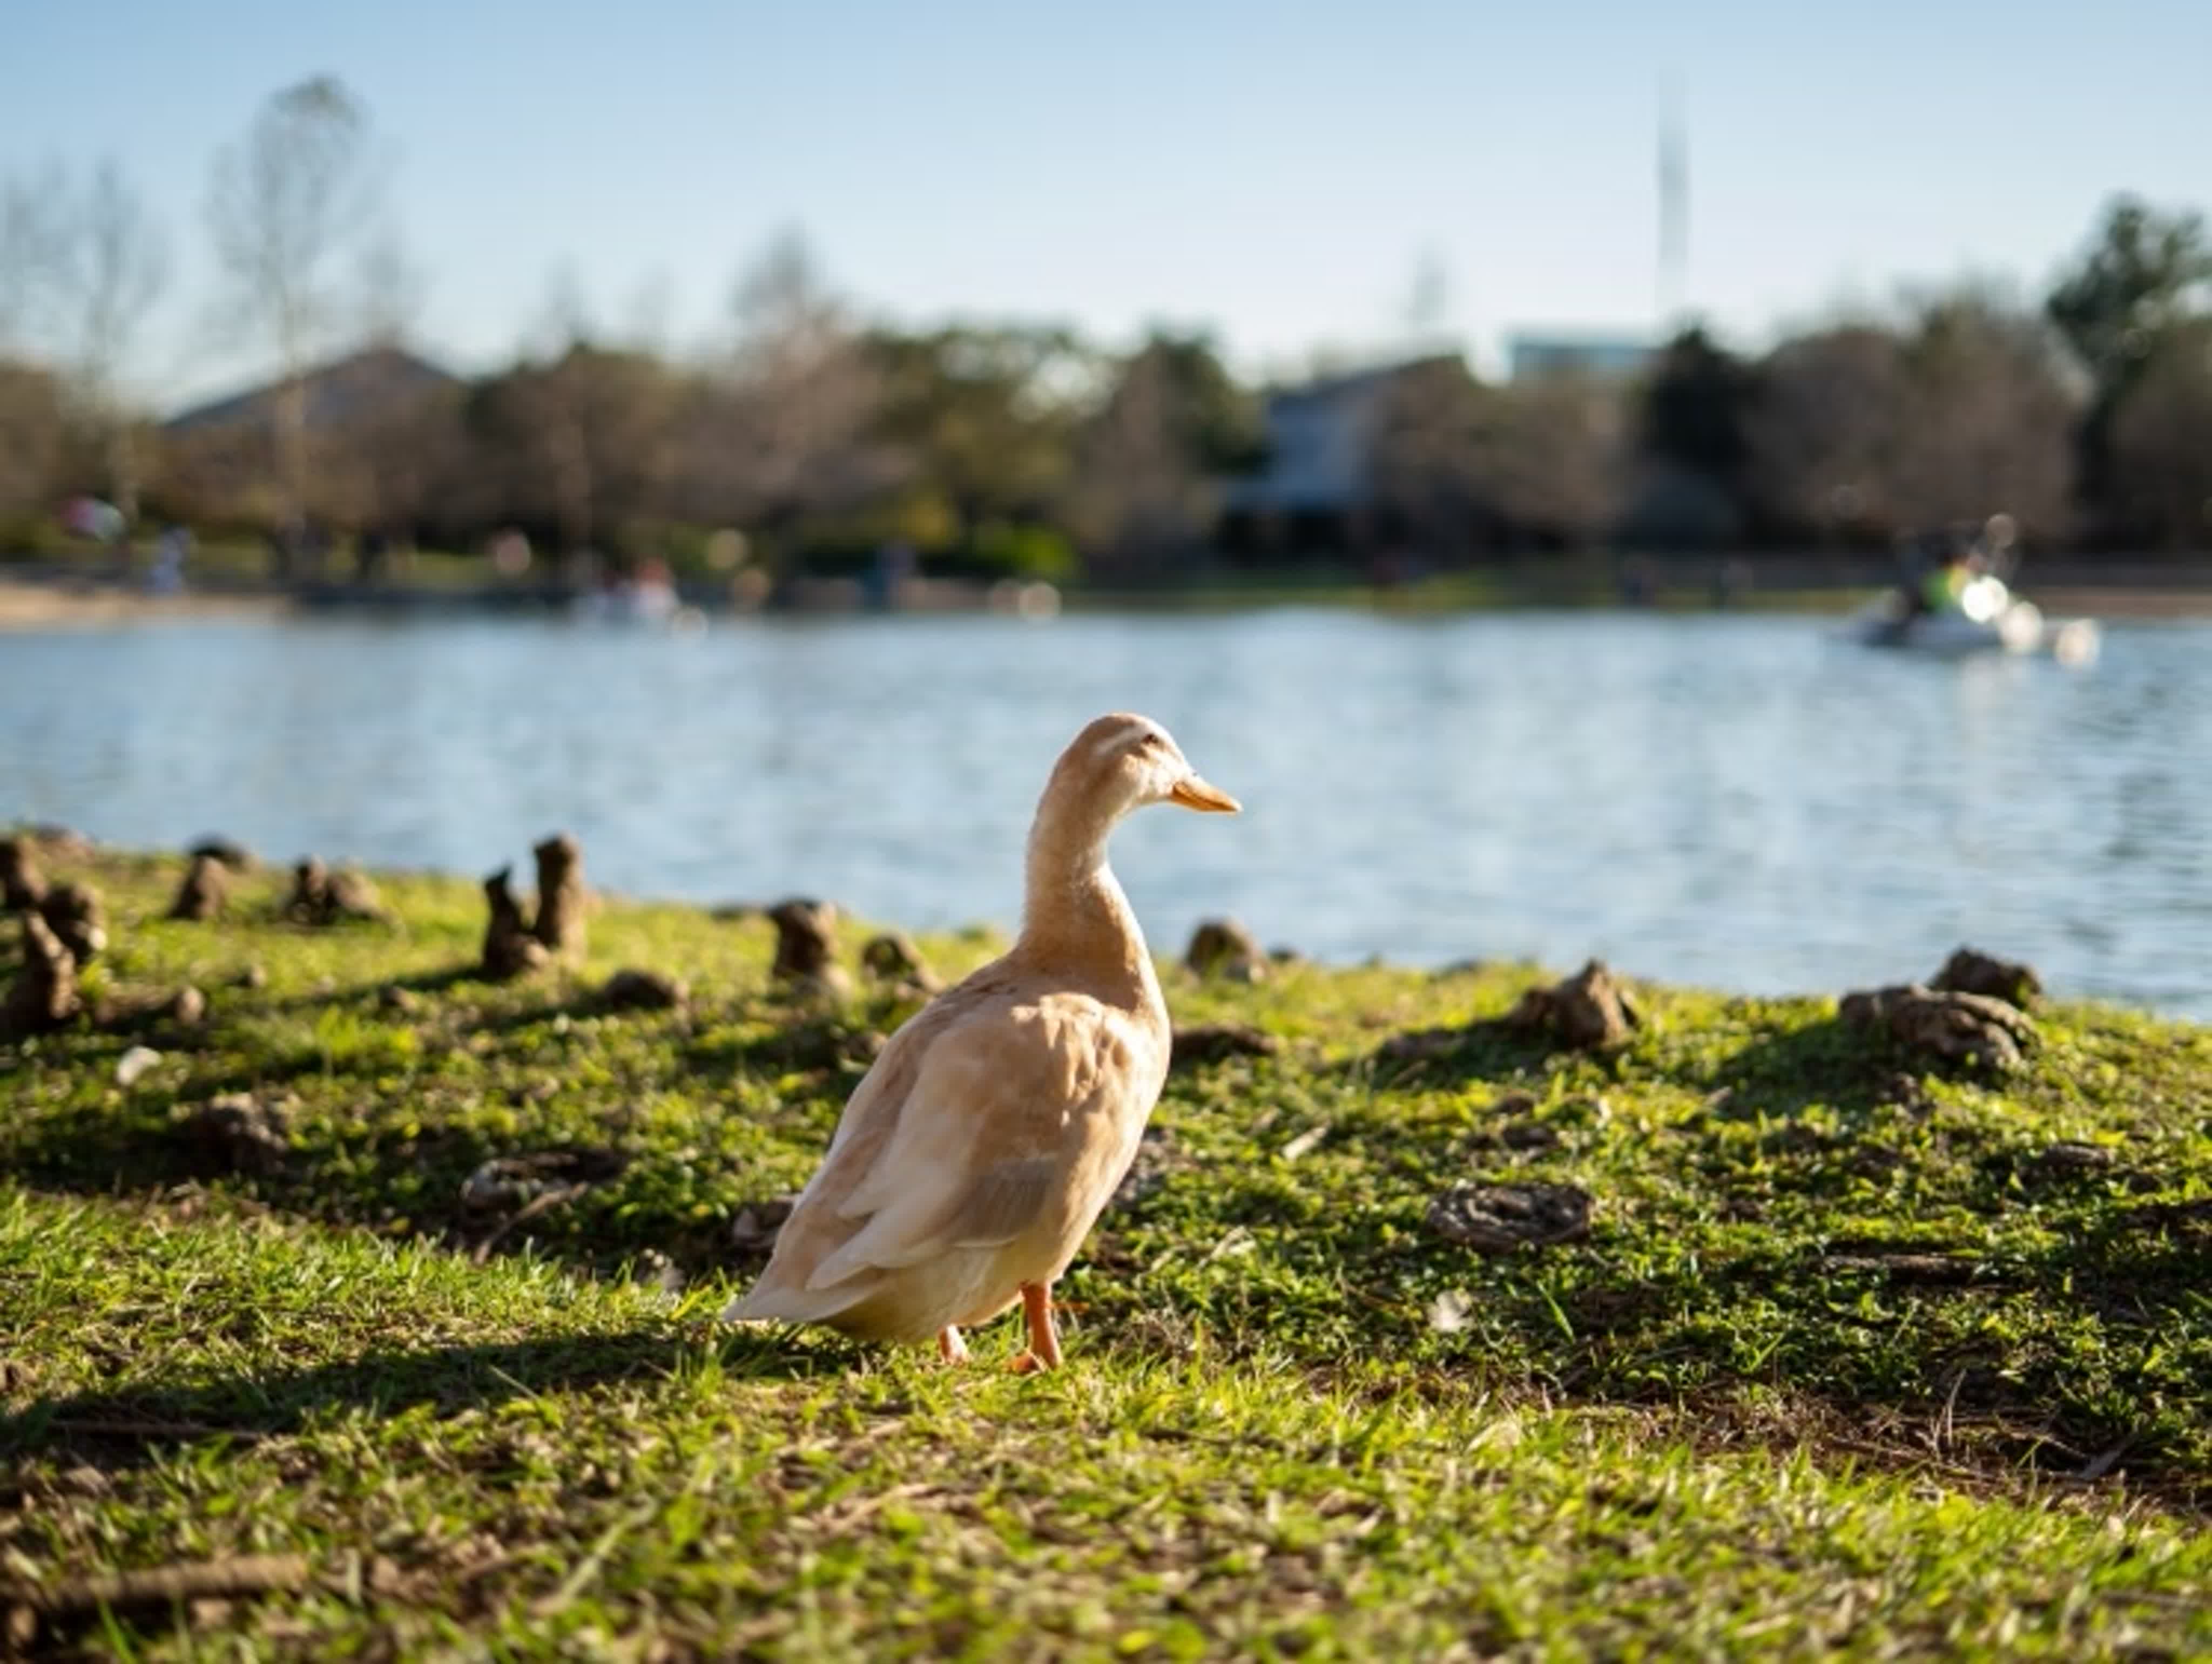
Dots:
{"x": 1072, "y": 906}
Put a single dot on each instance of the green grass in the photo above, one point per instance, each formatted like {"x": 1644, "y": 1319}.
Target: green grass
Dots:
{"x": 1736, "y": 1422}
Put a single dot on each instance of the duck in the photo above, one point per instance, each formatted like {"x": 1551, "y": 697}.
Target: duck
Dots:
{"x": 973, "y": 1158}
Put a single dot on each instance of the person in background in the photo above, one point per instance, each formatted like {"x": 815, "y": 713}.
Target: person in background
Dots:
{"x": 170, "y": 550}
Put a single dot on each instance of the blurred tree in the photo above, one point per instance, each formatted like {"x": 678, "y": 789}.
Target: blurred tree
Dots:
{"x": 34, "y": 234}
{"x": 291, "y": 201}
{"x": 1991, "y": 420}
{"x": 1831, "y": 416}
{"x": 2161, "y": 440}
{"x": 114, "y": 263}
{"x": 33, "y": 428}
{"x": 786, "y": 429}
{"x": 1693, "y": 446}
{"x": 2142, "y": 272}
{"x": 985, "y": 416}
{"x": 1148, "y": 461}
{"x": 1553, "y": 458}
{"x": 1425, "y": 456}
{"x": 580, "y": 446}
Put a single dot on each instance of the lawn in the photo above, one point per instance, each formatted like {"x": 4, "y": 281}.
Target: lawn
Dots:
{"x": 1854, "y": 1358}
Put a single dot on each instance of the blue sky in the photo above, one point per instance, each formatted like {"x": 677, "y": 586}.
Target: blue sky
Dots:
{"x": 1276, "y": 170}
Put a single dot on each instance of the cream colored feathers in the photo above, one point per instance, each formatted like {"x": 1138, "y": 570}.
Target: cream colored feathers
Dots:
{"x": 972, "y": 1160}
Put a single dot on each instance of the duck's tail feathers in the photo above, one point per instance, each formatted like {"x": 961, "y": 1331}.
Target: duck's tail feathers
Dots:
{"x": 767, "y": 1303}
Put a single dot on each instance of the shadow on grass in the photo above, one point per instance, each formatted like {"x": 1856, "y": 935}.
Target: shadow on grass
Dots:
{"x": 1487, "y": 1049}
{"x": 1817, "y": 1062}
{"x": 118, "y": 1429}
{"x": 442, "y": 980}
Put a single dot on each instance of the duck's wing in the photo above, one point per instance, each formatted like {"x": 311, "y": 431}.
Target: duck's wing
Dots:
{"x": 1008, "y": 1110}
{"x": 1012, "y": 1112}
{"x": 871, "y": 1117}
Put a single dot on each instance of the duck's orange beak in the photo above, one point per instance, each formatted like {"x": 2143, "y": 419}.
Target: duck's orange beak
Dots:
{"x": 1191, "y": 792}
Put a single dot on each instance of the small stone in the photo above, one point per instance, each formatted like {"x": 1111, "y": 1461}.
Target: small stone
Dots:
{"x": 187, "y": 1007}
{"x": 1590, "y": 1011}
{"x": 1501, "y": 1219}
{"x": 353, "y": 897}
{"x": 320, "y": 896}
{"x": 561, "y": 898}
{"x": 1969, "y": 972}
{"x": 1223, "y": 948}
{"x": 21, "y": 884}
{"x": 1968, "y": 1030}
{"x": 204, "y": 892}
{"x": 73, "y": 913}
{"x": 44, "y": 993}
{"x": 1448, "y": 1312}
{"x": 642, "y": 991}
{"x": 657, "y": 1269}
{"x": 252, "y": 976}
{"x": 510, "y": 948}
{"x": 893, "y": 958}
{"x": 310, "y": 901}
{"x": 807, "y": 946}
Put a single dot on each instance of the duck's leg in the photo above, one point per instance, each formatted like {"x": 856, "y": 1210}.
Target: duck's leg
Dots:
{"x": 1044, "y": 1341}
{"x": 949, "y": 1346}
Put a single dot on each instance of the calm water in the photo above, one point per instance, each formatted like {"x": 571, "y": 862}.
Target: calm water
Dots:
{"x": 1741, "y": 802}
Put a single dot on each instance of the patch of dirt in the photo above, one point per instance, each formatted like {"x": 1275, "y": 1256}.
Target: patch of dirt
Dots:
{"x": 507, "y": 1182}
{"x": 643, "y": 991}
{"x": 1203, "y": 1043}
{"x": 237, "y": 1133}
{"x": 1501, "y": 1219}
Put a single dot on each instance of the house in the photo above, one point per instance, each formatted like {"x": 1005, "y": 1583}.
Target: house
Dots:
{"x": 370, "y": 428}
{"x": 352, "y": 389}
{"x": 1316, "y": 493}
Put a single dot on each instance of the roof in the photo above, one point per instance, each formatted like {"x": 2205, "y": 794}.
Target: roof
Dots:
{"x": 337, "y": 393}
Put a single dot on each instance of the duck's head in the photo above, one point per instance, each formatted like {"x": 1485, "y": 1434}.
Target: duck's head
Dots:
{"x": 1123, "y": 762}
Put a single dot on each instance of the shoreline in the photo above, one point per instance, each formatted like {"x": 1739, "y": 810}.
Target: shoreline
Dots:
{"x": 27, "y": 605}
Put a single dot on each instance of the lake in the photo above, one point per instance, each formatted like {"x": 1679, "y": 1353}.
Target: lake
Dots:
{"x": 1738, "y": 801}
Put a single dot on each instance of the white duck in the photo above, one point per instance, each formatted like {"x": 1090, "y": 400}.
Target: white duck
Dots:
{"x": 971, "y": 1163}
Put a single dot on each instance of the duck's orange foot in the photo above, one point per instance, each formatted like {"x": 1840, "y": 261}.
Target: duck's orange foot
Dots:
{"x": 1028, "y": 1363}
{"x": 949, "y": 1346}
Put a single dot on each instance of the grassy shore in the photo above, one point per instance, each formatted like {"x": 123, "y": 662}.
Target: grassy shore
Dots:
{"x": 1853, "y": 1360}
